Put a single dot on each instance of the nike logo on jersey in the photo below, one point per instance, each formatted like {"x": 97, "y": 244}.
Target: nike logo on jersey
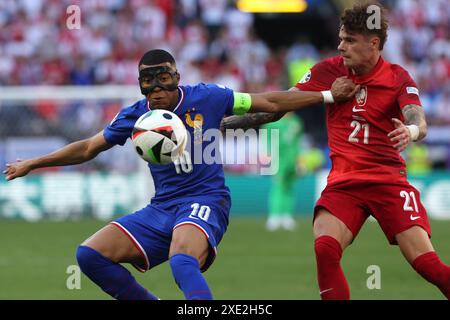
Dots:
{"x": 413, "y": 218}
{"x": 357, "y": 110}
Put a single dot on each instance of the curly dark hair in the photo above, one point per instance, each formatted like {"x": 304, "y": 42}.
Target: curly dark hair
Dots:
{"x": 357, "y": 19}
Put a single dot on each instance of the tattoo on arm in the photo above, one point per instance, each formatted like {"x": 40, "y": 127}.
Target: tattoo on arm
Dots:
{"x": 249, "y": 120}
{"x": 252, "y": 120}
{"x": 414, "y": 114}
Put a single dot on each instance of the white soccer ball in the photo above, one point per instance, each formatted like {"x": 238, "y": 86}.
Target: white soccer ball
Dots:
{"x": 159, "y": 136}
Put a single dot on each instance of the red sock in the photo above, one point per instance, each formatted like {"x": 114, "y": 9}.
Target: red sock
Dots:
{"x": 429, "y": 266}
{"x": 332, "y": 282}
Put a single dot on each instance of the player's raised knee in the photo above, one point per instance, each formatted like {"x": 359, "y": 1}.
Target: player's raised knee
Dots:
{"x": 184, "y": 247}
{"x": 189, "y": 240}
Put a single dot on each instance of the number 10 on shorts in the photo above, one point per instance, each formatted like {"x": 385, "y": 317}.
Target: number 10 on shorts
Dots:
{"x": 200, "y": 212}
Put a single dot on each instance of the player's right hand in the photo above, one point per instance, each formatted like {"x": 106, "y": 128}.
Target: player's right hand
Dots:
{"x": 343, "y": 89}
{"x": 17, "y": 169}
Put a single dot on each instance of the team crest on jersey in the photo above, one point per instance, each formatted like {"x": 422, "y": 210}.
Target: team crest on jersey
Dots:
{"x": 361, "y": 96}
{"x": 196, "y": 124}
{"x": 306, "y": 77}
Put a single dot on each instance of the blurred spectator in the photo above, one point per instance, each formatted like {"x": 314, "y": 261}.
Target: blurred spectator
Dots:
{"x": 418, "y": 162}
{"x": 213, "y": 42}
{"x": 282, "y": 198}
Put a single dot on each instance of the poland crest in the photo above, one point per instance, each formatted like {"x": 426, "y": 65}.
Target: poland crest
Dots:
{"x": 361, "y": 96}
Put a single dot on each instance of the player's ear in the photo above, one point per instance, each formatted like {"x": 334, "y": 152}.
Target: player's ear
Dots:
{"x": 375, "y": 42}
{"x": 177, "y": 76}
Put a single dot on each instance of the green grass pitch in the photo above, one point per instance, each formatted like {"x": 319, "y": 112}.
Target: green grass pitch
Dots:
{"x": 252, "y": 263}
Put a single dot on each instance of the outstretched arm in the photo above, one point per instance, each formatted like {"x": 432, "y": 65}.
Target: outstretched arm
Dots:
{"x": 251, "y": 120}
{"x": 283, "y": 101}
{"x": 342, "y": 89}
{"x": 74, "y": 153}
{"x": 414, "y": 128}
{"x": 275, "y": 104}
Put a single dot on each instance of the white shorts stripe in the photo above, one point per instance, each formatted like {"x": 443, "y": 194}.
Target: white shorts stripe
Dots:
{"x": 137, "y": 244}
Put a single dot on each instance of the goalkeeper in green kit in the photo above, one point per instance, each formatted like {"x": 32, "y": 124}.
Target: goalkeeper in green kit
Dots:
{"x": 281, "y": 194}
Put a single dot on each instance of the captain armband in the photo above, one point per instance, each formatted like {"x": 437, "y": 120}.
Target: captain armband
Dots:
{"x": 242, "y": 103}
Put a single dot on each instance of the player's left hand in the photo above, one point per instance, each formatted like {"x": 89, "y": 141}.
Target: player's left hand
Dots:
{"x": 400, "y": 136}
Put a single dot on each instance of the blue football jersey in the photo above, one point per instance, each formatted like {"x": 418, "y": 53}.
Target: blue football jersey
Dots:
{"x": 200, "y": 107}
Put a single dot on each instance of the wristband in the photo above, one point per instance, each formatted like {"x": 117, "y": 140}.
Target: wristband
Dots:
{"x": 413, "y": 131}
{"x": 327, "y": 96}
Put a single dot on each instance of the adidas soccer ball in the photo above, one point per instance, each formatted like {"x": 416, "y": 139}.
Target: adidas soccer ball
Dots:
{"x": 159, "y": 136}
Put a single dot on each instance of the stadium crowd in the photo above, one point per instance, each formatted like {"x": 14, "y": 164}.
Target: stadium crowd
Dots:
{"x": 213, "y": 42}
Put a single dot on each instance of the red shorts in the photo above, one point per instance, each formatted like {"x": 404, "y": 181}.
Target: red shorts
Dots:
{"x": 396, "y": 207}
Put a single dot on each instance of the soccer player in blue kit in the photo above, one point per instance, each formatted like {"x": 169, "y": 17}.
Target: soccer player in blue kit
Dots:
{"x": 188, "y": 215}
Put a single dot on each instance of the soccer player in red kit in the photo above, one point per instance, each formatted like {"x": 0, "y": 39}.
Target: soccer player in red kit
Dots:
{"x": 368, "y": 174}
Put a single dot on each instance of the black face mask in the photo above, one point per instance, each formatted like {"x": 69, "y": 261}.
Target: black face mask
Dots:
{"x": 162, "y": 77}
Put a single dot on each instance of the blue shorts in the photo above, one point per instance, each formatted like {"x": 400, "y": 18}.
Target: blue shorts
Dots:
{"x": 151, "y": 228}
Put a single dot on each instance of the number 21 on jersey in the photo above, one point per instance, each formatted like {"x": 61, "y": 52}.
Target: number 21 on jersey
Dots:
{"x": 357, "y": 126}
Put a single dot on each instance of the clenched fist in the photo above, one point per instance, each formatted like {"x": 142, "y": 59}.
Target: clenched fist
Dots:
{"x": 343, "y": 89}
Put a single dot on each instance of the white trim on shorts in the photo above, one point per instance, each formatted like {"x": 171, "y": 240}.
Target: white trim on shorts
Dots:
{"x": 137, "y": 244}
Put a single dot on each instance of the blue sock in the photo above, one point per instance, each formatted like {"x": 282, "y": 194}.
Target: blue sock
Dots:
{"x": 186, "y": 271}
{"x": 113, "y": 278}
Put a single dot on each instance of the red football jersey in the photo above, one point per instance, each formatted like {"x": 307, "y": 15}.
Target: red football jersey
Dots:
{"x": 357, "y": 129}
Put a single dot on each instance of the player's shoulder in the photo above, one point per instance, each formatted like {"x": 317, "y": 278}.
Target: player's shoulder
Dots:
{"x": 130, "y": 113}
{"x": 138, "y": 106}
{"x": 324, "y": 72}
{"x": 332, "y": 66}
{"x": 399, "y": 72}
{"x": 332, "y": 63}
{"x": 136, "y": 109}
{"x": 401, "y": 78}
{"x": 205, "y": 90}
